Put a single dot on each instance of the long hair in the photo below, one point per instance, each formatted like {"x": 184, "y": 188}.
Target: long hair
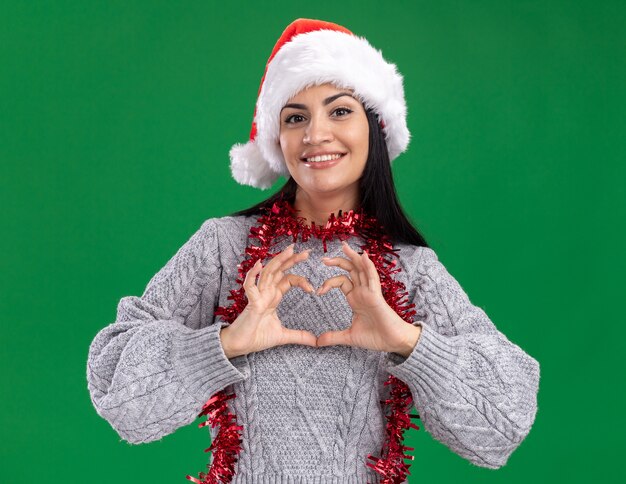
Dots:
{"x": 377, "y": 191}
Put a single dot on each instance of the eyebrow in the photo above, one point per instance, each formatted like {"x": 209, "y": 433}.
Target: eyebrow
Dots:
{"x": 326, "y": 101}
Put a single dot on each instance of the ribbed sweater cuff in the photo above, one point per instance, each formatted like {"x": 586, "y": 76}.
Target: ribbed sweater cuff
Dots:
{"x": 431, "y": 363}
{"x": 199, "y": 359}
{"x": 286, "y": 479}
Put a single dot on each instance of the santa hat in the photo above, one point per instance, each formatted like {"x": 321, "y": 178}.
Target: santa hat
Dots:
{"x": 311, "y": 52}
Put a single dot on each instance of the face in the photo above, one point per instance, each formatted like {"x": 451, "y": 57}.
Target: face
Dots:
{"x": 325, "y": 120}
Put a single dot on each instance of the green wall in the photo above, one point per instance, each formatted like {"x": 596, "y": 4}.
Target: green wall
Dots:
{"x": 116, "y": 118}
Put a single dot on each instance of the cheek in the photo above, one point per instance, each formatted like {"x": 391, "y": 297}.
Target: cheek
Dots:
{"x": 358, "y": 135}
{"x": 365, "y": 139}
{"x": 359, "y": 141}
{"x": 284, "y": 147}
{"x": 286, "y": 144}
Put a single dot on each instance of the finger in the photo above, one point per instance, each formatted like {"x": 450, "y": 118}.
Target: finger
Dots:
{"x": 288, "y": 259}
{"x": 357, "y": 260}
{"x": 342, "y": 281}
{"x": 292, "y": 280}
{"x": 331, "y": 338}
{"x": 298, "y": 337}
{"x": 249, "y": 282}
{"x": 350, "y": 252}
{"x": 372, "y": 272}
{"x": 345, "y": 264}
{"x": 269, "y": 271}
{"x": 294, "y": 259}
{"x": 342, "y": 262}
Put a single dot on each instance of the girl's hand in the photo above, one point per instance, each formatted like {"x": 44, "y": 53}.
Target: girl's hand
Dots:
{"x": 258, "y": 327}
{"x": 375, "y": 325}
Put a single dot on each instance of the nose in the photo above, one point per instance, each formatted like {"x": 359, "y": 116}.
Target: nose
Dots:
{"x": 318, "y": 131}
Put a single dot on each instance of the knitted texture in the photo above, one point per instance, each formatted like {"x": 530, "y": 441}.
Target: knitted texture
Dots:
{"x": 309, "y": 415}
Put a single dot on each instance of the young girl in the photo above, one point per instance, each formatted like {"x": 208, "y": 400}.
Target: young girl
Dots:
{"x": 306, "y": 327}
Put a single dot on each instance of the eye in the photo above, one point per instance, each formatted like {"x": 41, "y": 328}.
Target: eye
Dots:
{"x": 288, "y": 119}
{"x": 346, "y": 110}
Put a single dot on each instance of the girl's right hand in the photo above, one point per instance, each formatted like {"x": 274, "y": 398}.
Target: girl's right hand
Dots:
{"x": 258, "y": 327}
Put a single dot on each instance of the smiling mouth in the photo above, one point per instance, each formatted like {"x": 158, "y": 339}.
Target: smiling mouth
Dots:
{"x": 322, "y": 165}
{"x": 322, "y": 159}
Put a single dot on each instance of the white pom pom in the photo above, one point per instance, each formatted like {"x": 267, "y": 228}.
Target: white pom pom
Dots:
{"x": 249, "y": 167}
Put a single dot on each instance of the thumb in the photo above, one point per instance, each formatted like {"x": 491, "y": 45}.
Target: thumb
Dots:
{"x": 331, "y": 338}
{"x": 298, "y": 337}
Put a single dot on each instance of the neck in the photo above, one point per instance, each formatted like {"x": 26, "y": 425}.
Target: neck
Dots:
{"x": 318, "y": 209}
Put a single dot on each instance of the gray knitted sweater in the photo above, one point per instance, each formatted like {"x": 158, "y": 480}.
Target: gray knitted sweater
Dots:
{"x": 309, "y": 415}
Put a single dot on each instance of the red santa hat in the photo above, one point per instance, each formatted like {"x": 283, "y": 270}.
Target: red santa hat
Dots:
{"x": 312, "y": 52}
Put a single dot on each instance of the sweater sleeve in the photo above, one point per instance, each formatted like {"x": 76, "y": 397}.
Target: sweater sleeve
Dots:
{"x": 151, "y": 371}
{"x": 475, "y": 391}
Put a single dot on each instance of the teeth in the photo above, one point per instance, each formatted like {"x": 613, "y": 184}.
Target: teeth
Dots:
{"x": 323, "y": 158}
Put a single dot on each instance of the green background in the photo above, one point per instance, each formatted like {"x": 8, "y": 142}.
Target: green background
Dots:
{"x": 115, "y": 123}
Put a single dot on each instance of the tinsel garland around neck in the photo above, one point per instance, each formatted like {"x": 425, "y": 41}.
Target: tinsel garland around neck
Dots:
{"x": 281, "y": 220}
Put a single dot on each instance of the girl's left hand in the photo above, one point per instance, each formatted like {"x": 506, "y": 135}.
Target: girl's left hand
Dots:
{"x": 375, "y": 325}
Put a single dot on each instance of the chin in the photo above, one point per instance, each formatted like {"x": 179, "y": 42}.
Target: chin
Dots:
{"x": 333, "y": 188}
